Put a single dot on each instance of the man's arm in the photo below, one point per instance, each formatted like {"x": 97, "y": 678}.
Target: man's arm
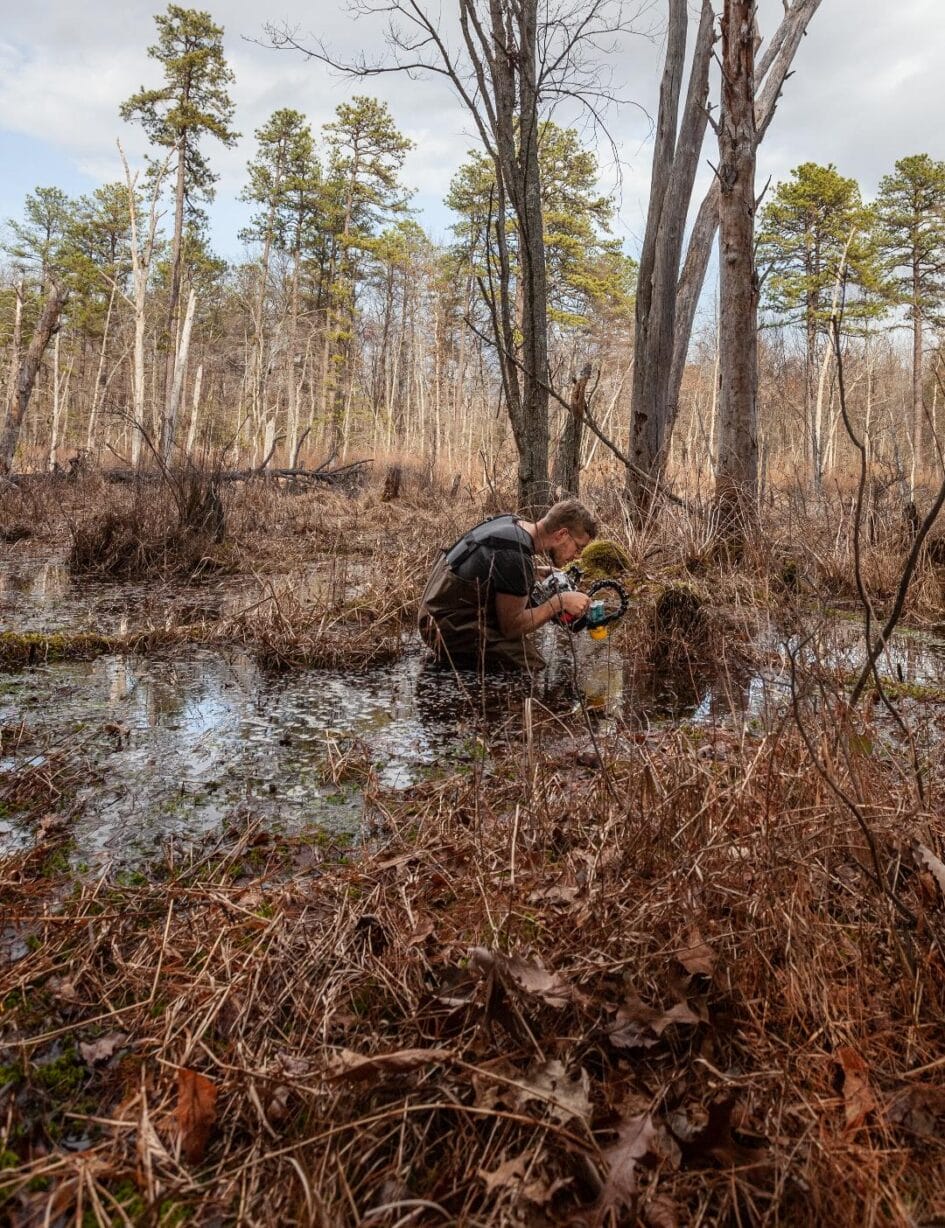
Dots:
{"x": 517, "y": 618}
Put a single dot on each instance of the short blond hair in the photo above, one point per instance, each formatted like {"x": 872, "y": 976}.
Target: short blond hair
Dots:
{"x": 570, "y": 514}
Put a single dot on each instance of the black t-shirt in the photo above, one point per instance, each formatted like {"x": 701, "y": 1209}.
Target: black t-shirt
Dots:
{"x": 499, "y": 554}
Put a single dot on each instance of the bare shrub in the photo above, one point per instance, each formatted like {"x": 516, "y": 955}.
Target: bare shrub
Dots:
{"x": 173, "y": 527}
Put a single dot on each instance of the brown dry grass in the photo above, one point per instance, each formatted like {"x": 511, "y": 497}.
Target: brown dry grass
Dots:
{"x": 664, "y": 994}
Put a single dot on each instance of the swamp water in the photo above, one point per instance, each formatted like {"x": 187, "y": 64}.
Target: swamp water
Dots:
{"x": 179, "y": 743}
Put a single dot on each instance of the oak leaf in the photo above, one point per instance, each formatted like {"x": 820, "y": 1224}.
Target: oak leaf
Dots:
{"x": 358, "y": 1067}
{"x": 697, "y": 957}
{"x": 636, "y": 1141}
{"x": 196, "y": 1113}
{"x": 858, "y": 1098}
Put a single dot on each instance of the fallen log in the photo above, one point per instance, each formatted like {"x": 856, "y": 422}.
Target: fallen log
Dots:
{"x": 341, "y": 474}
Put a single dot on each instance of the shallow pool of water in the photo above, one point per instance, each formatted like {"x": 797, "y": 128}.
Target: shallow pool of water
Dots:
{"x": 178, "y": 742}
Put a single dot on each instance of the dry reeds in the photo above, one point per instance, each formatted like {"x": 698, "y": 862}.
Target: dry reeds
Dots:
{"x": 667, "y": 994}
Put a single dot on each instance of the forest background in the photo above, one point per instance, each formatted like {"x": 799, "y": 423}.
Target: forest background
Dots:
{"x": 346, "y": 309}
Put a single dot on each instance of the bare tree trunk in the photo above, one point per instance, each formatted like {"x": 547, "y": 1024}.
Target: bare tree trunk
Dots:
{"x": 675, "y": 160}
{"x": 56, "y": 298}
{"x": 566, "y": 476}
{"x": 194, "y": 410}
{"x": 141, "y": 256}
{"x": 173, "y": 294}
{"x": 180, "y": 366}
{"x": 772, "y": 72}
{"x": 57, "y": 404}
{"x": 737, "y": 472}
{"x": 99, "y": 386}
{"x": 15, "y": 342}
{"x": 918, "y": 406}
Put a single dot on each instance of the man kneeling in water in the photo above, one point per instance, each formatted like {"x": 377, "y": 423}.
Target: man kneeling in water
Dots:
{"x": 475, "y": 609}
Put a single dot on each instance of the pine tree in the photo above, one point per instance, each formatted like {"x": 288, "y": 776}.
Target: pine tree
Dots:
{"x": 586, "y": 269}
{"x": 192, "y": 103}
{"x": 910, "y": 208}
{"x": 285, "y": 183}
{"x": 366, "y": 154}
{"x": 816, "y": 247}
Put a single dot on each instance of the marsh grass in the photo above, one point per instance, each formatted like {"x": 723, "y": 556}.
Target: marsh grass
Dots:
{"x": 664, "y": 989}
{"x": 539, "y": 996}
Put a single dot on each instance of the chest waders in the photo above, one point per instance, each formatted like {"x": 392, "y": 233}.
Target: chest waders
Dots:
{"x": 458, "y": 619}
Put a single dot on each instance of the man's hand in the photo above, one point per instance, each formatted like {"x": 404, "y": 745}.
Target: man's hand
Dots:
{"x": 573, "y": 605}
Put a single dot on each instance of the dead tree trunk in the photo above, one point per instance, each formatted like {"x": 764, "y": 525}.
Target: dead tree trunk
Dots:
{"x": 566, "y": 476}
{"x": 655, "y": 403}
{"x": 675, "y": 159}
{"x": 392, "y": 481}
{"x": 737, "y": 472}
{"x": 46, "y": 326}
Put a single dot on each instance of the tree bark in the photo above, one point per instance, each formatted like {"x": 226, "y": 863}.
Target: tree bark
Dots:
{"x": 15, "y": 342}
{"x": 566, "y": 474}
{"x": 173, "y": 294}
{"x": 737, "y": 471}
{"x": 918, "y": 405}
{"x": 180, "y": 366}
{"x": 56, "y": 298}
{"x": 770, "y": 77}
{"x": 675, "y": 160}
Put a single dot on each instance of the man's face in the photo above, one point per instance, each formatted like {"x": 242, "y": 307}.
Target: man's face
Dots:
{"x": 566, "y": 545}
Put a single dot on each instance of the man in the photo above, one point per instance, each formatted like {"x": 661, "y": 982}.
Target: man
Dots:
{"x": 475, "y": 608}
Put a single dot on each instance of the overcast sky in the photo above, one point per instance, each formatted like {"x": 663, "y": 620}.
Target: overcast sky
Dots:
{"x": 866, "y": 91}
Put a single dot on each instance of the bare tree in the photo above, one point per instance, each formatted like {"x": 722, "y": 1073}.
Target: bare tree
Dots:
{"x": 57, "y": 295}
{"x": 737, "y": 468}
{"x": 669, "y": 296}
{"x": 142, "y": 254}
{"x": 566, "y": 474}
{"x": 511, "y": 59}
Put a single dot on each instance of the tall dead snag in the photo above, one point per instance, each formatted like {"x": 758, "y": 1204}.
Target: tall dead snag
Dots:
{"x": 56, "y": 298}
{"x": 675, "y": 160}
{"x": 737, "y": 467}
{"x": 667, "y": 300}
{"x": 566, "y": 475}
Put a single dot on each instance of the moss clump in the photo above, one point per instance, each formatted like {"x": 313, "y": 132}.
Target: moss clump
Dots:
{"x": 63, "y": 1076}
{"x": 604, "y": 560}
{"x": 29, "y": 648}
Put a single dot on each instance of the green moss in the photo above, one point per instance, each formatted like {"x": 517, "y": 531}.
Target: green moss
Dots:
{"x": 10, "y": 1075}
{"x": 30, "y": 647}
{"x": 131, "y": 878}
{"x": 61, "y": 1077}
{"x": 171, "y": 1214}
{"x": 9, "y": 1159}
{"x": 55, "y": 863}
{"x": 603, "y": 559}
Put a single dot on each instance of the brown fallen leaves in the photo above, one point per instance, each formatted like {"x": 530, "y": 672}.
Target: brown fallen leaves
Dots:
{"x": 357, "y": 1067}
{"x": 530, "y": 976}
{"x": 196, "y": 1113}
{"x": 638, "y": 1026}
{"x": 858, "y": 1099}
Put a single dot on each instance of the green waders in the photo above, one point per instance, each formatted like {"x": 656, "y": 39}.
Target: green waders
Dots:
{"x": 463, "y": 631}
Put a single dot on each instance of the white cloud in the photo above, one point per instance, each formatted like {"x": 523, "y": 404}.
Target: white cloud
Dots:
{"x": 865, "y": 92}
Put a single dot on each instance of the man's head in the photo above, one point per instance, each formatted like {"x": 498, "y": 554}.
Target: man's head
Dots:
{"x": 564, "y": 531}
